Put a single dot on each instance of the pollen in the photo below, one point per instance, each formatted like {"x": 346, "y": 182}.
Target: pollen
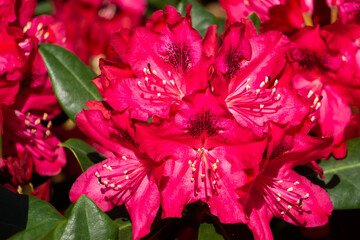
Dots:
{"x": 39, "y": 26}
{"x": 46, "y": 35}
{"x": 310, "y": 93}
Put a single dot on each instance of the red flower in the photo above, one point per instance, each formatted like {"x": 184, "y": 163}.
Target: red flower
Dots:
{"x": 275, "y": 190}
{"x": 129, "y": 177}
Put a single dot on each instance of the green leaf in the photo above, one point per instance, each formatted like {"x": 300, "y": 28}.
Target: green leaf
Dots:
{"x": 207, "y": 232}
{"x": 43, "y": 218}
{"x": 85, "y": 154}
{"x": 342, "y": 177}
{"x": 201, "y": 19}
{"x": 87, "y": 221}
{"x": 44, "y": 7}
{"x": 125, "y": 228}
{"x": 70, "y": 79}
{"x": 256, "y": 20}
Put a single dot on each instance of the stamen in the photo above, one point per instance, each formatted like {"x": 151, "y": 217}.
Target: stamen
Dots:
{"x": 46, "y": 35}
{"x": 39, "y": 26}
{"x": 37, "y": 121}
{"x": 296, "y": 183}
{"x": 169, "y": 73}
{"x": 45, "y": 116}
{"x": 312, "y": 118}
{"x": 278, "y": 96}
{"x": 124, "y": 157}
{"x": 317, "y": 106}
{"x": 310, "y": 93}
{"x": 290, "y": 189}
{"x": 306, "y": 196}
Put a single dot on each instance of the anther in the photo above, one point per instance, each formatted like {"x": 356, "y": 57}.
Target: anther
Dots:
{"x": 282, "y": 213}
{"x": 139, "y": 83}
{"x": 169, "y": 73}
{"x": 45, "y": 116}
{"x": 112, "y": 185}
{"x": 310, "y": 93}
{"x": 97, "y": 174}
{"x": 290, "y": 189}
{"x": 280, "y": 181}
{"x": 39, "y": 26}
{"x": 106, "y": 182}
{"x": 124, "y": 157}
{"x": 247, "y": 87}
{"x": 248, "y": 80}
{"x": 154, "y": 72}
{"x": 127, "y": 177}
{"x": 296, "y": 183}
{"x": 47, "y": 133}
{"x": 217, "y": 161}
{"x": 278, "y": 96}
{"x": 194, "y": 169}
{"x": 262, "y": 84}
{"x": 164, "y": 82}
{"x": 33, "y": 130}
{"x": 190, "y": 162}
{"x": 276, "y": 82}
{"x": 146, "y": 79}
{"x": 172, "y": 82}
{"x": 316, "y": 100}
{"x": 49, "y": 124}
{"x": 273, "y": 90}
{"x": 158, "y": 94}
{"x": 257, "y": 91}
{"x": 306, "y": 196}
{"x": 192, "y": 179}
{"x": 215, "y": 168}
{"x": 46, "y": 35}
{"x": 27, "y": 122}
{"x": 214, "y": 182}
{"x": 266, "y": 79}
{"x": 312, "y": 118}
{"x": 125, "y": 172}
{"x": 202, "y": 175}
{"x": 144, "y": 70}
{"x": 317, "y": 106}
{"x": 37, "y": 121}
{"x": 262, "y": 106}
{"x": 27, "y": 27}
{"x": 289, "y": 207}
{"x": 278, "y": 199}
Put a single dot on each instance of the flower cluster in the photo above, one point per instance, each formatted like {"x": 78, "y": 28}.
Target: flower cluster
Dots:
{"x": 186, "y": 118}
{"x": 27, "y": 100}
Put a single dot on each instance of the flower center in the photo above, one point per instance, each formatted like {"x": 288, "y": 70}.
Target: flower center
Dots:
{"x": 232, "y": 61}
{"x": 28, "y": 130}
{"x": 204, "y": 169}
{"x": 255, "y": 102}
{"x": 124, "y": 179}
{"x": 281, "y": 196}
{"x": 179, "y": 56}
{"x": 159, "y": 90}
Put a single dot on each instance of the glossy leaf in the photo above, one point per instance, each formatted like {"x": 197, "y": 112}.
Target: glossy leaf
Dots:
{"x": 342, "y": 177}
{"x": 70, "y": 79}
{"x": 200, "y": 17}
{"x": 85, "y": 154}
{"x": 87, "y": 221}
{"x": 207, "y": 232}
{"x": 43, "y": 7}
{"x": 124, "y": 228}
{"x": 43, "y": 218}
{"x": 256, "y": 20}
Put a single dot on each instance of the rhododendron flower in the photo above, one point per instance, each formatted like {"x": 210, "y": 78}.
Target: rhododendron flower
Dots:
{"x": 90, "y": 23}
{"x": 275, "y": 190}
{"x": 249, "y": 68}
{"x": 205, "y": 153}
{"x": 129, "y": 177}
{"x": 166, "y": 67}
{"x": 321, "y": 72}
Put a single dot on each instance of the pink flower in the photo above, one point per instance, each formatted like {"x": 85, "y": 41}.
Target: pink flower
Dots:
{"x": 90, "y": 23}
{"x": 322, "y": 71}
{"x": 129, "y": 177}
{"x": 26, "y": 130}
{"x": 205, "y": 153}
{"x": 166, "y": 65}
{"x": 275, "y": 190}
{"x": 249, "y": 68}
